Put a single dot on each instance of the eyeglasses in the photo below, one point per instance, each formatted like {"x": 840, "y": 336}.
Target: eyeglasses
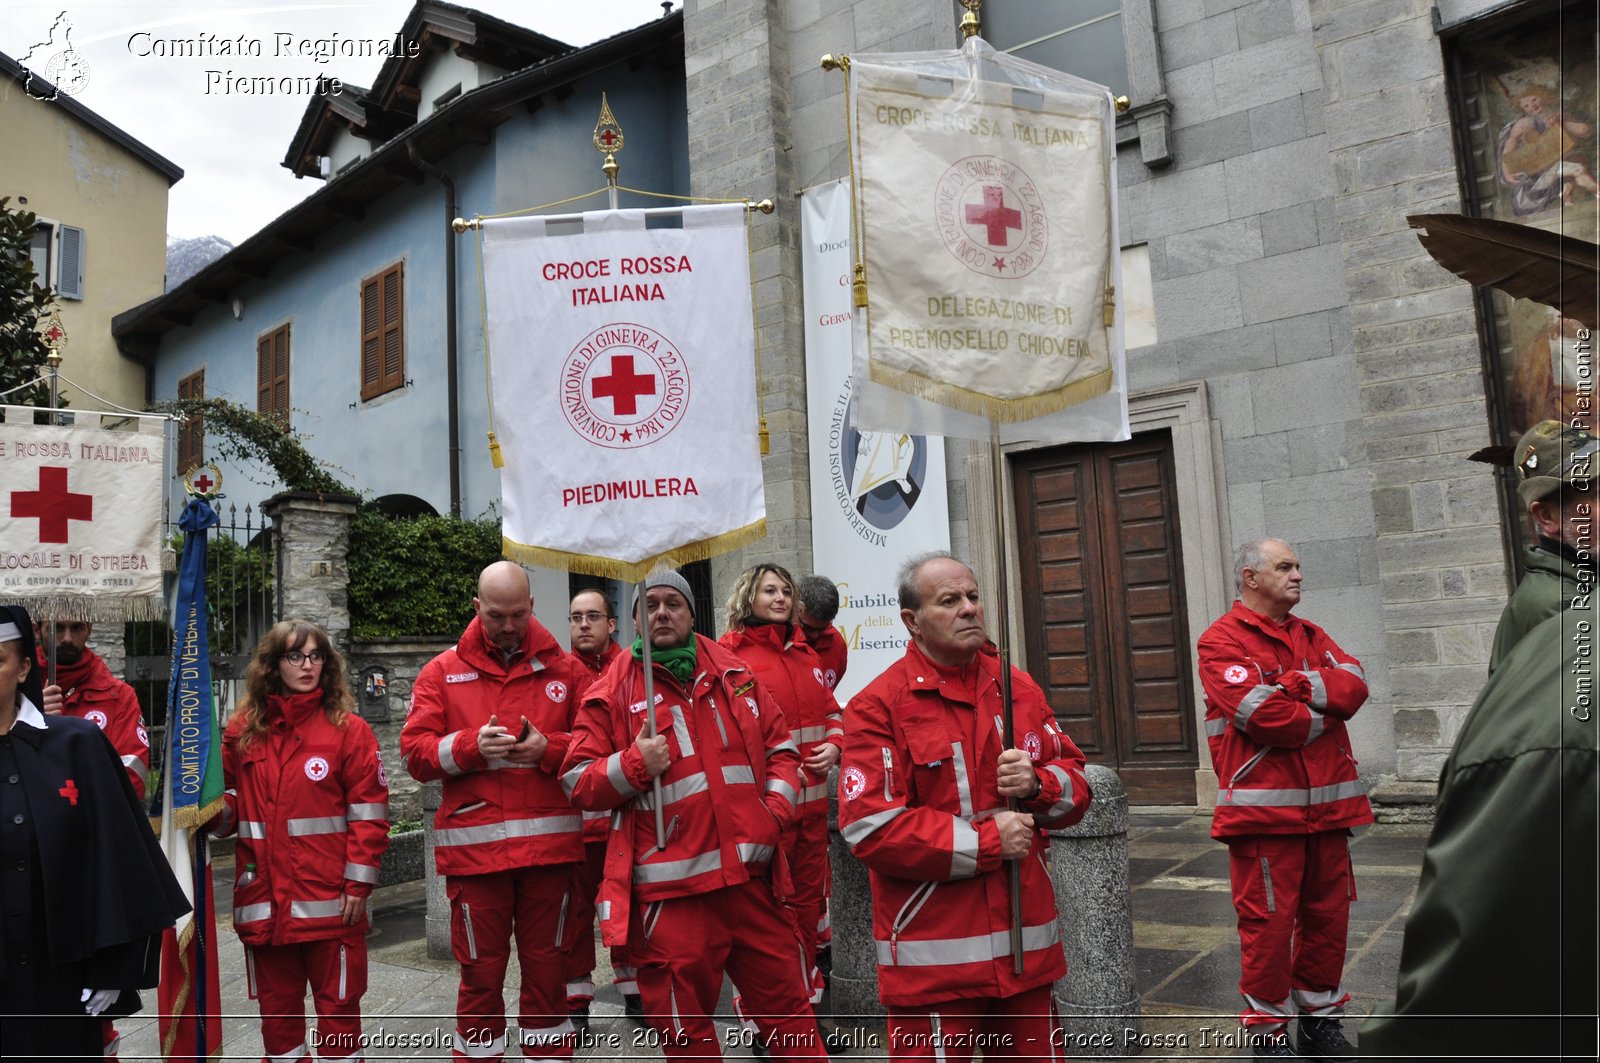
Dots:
{"x": 296, "y": 658}
{"x": 593, "y": 618}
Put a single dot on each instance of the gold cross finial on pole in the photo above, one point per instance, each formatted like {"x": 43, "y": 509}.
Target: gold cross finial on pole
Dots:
{"x": 969, "y": 22}
{"x": 608, "y": 139}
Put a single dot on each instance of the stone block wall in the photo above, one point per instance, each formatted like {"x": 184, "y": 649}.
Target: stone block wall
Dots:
{"x": 1435, "y": 516}
{"x": 401, "y": 660}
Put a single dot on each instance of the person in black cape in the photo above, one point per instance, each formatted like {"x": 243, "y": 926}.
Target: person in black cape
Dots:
{"x": 85, "y": 892}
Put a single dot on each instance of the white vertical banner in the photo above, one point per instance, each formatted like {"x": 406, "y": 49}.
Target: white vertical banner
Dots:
{"x": 877, "y": 497}
{"x": 623, "y": 365}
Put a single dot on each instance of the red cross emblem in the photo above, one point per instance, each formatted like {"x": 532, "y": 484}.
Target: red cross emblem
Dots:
{"x": 623, "y": 386}
{"x": 54, "y": 333}
{"x": 203, "y": 484}
{"x": 52, "y": 504}
{"x": 70, "y": 792}
{"x": 995, "y": 217}
{"x": 608, "y": 137}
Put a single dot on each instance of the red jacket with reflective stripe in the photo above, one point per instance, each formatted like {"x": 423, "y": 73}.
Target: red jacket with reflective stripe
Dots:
{"x": 834, "y": 654}
{"x": 495, "y": 815}
{"x": 597, "y": 825}
{"x": 111, "y": 705}
{"x": 917, "y": 796}
{"x": 791, "y": 672}
{"x": 1283, "y": 765}
{"x": 310, "y": 805}
{"x": 728, "y": 792}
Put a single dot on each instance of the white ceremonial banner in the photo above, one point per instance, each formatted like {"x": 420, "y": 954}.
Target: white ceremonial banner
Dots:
{"x": 877, "y": 498}
{"x": 80, "y": 516}
{"x": 986, "y": 197}
{"x": 622, "y": 361}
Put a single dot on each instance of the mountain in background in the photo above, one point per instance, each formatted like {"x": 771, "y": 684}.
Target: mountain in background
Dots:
{"x": 185, "y": 258}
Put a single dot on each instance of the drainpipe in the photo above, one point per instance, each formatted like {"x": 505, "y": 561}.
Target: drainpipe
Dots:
{"x": 449, "y": 321}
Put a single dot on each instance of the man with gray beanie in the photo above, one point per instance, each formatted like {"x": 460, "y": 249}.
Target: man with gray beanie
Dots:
{"x": 703, "y": 900}
{"x": 1557, "y": 466}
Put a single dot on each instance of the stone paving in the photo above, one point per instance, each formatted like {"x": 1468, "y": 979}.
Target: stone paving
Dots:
{"x": 1186, "y": 958}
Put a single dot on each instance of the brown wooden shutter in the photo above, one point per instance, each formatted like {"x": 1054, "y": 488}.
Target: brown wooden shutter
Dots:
{"x": 383, "y": 347}
{"x": 192, "y": 433}
{"x": 272, "y": 374}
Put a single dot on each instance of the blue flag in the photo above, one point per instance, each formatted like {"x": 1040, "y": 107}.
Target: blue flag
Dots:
{"x": 192, "y": 762}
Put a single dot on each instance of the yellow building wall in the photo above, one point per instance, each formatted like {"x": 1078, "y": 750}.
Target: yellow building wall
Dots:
{"x": 72, "y": 175}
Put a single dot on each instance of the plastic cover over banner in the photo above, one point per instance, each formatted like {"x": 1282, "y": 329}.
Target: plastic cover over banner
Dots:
{"x": 985, "y": 191}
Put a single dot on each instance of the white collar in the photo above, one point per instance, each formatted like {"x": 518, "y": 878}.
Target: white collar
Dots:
{"x": 29, "y": 714}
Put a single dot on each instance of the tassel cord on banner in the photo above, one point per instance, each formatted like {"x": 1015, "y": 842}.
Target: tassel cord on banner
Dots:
{"x": 1003, "y": 644}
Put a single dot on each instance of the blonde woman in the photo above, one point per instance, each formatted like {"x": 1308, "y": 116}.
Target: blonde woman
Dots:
{"x": 763, "y": 632}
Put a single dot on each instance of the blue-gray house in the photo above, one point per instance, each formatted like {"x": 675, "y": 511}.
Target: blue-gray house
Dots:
{"x": 355, "y": 313}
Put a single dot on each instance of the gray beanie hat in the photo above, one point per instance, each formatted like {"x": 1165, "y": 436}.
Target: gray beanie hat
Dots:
{"x": 666, "y": 578}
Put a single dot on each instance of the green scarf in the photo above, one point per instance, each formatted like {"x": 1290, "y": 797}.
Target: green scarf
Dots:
{"x": 679, "y": 661}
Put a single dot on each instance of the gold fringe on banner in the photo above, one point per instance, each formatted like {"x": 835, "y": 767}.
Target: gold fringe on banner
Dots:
{"x": 94, "y": 610}
{"x": 633, "y": 571}
{"x": 194, "y": 817}
{"x": 1003, "y": 411}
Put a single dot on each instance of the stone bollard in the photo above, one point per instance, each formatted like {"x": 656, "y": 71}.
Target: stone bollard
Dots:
{"x": 438, "y": 917}
{"x": 1098, "y": 1000}
{"x": 853, "y": 987}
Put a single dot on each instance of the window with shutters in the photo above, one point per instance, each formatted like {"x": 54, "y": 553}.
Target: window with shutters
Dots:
{"x": 192, "y": 432}
{"x": 383, "y": 332}
{"x": 57, "y": 254}
{"x": 272, "y": 374}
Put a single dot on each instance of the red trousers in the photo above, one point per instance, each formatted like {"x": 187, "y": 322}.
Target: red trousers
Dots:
{"x": 485, "y": 912}
{"x": 579, "y": 958}
{"x": 805, "y": 844}
{"x": 1020, "y": 1027}
{"x": 1292, "y": 893}
{"x": 336, "y": 971}
{"x": 685, "y": 945}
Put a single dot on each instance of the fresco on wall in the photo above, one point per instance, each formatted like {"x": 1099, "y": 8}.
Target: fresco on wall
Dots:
{"x": 1533, "y": 129}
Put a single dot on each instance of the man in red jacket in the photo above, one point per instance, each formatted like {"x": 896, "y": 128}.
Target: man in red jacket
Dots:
{"x": 1278, "y": 691}
{"x": 706, "y": 900}
{"x": 85, "y": 688}
{"x": 934, "y": 805}
{"x": 818, "y": 597}
{"x": 593, "y": 626}
{"x": 492, "y": 718}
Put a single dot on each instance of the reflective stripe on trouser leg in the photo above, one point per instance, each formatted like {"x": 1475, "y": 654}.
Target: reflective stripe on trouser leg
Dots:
{"x": 1322, "y": 933}
{"x": 680, "y": 965}
{"x": 337, "y": 971}
{"x": 542, "y": 1002}
{"x": 480, "y": 941}
{"x": 1265, "y": 874}
{"x": 768, "y": 963}
{"x": 1025, "y": 1024}
{"x": 281, "y": 975}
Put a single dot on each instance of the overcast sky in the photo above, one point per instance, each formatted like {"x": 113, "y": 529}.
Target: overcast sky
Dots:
{"x": 231, "y": 145}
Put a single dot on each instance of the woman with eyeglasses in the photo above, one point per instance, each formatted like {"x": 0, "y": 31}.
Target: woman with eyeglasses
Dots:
{"x": 84, "y": 890}
{"x": 764, "y": 633}
{"x": 308, "y": 797}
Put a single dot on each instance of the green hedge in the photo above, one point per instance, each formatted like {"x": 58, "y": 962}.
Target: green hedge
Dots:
{"x": 416, "y": 576}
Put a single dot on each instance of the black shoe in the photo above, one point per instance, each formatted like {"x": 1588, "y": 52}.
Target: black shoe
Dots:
{"x": 1271, "y": 1046}
{"x": 1325, "y": 1039}
{"x": 580, "y": 1020}
{"x": 633, "y": 1007}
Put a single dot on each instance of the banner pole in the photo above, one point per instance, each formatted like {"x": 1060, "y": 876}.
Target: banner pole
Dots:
{"x": 642, "y": 614}
{"x": 1003, "y": 644}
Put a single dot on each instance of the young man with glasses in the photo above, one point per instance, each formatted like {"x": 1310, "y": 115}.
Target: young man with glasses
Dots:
{"x": 594, "y": 647}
